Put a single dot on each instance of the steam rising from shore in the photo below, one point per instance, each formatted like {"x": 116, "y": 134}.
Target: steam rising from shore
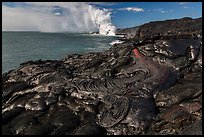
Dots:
{"x": 102, "y": 20}
{"x": 56, "y": 17}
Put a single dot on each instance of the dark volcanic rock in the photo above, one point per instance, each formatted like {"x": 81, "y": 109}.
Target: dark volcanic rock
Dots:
{"x": 148, "y": 87}
{"x": 176, "y": 28}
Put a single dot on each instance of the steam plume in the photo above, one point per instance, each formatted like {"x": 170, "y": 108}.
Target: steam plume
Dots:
{"x": 56, "y": 17}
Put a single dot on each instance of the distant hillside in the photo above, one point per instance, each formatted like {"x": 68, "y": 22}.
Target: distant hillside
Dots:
{"x": 183, "y": 26}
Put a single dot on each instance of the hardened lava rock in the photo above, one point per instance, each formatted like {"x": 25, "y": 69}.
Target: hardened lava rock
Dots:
{"x": 148, "y": 87}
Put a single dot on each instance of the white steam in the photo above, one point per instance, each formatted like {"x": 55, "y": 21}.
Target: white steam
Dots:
{"x": 56, "y": 17}
{"x": 102, "y": 20}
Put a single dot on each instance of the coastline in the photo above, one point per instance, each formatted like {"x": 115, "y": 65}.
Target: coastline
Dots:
{"x": 131, "y": 88}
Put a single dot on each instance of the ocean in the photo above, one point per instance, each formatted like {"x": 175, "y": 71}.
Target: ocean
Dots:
{"x": 19, "y": 47}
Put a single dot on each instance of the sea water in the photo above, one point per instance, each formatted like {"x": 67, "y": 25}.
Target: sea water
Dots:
{"x": 20, "y": 47}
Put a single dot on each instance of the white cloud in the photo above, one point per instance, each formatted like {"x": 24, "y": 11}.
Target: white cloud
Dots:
{"x": 41, "y": 16}
{"x": 188, "y": 7}
{"x": 182, "y": 3}
{"x": 135, "y": 9}
{"x": 164, "y": 11}
{"x": 161, "y": 10}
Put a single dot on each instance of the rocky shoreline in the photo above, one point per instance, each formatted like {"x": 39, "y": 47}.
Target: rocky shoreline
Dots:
{"x": 150, "y": 84}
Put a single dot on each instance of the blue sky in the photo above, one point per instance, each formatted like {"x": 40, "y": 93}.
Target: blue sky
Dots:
{"x": 32, "y": 16}
{"x": 152, "y": 11}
